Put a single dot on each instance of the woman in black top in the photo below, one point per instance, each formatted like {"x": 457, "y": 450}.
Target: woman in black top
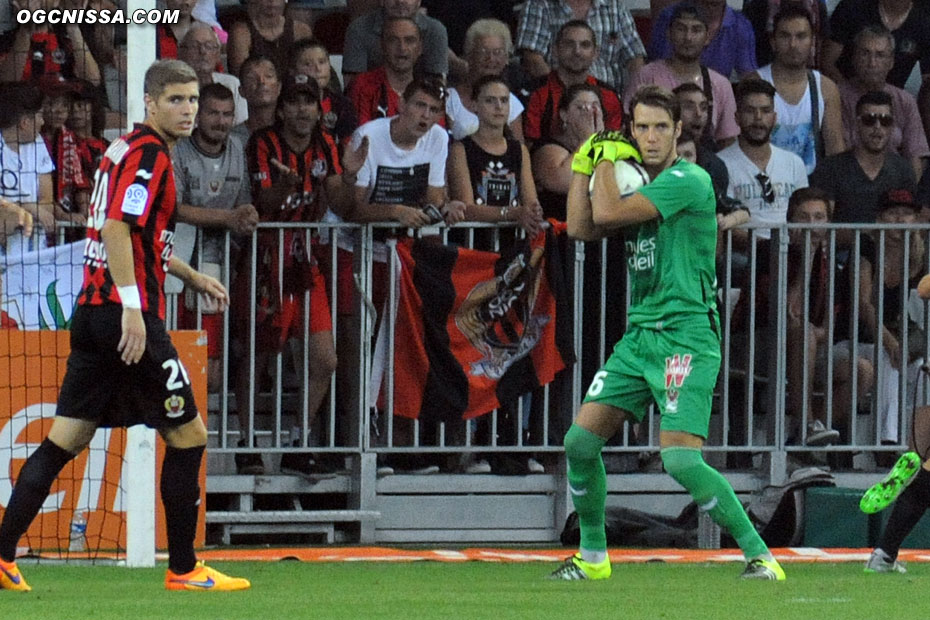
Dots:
{"x": 491, "y": 172}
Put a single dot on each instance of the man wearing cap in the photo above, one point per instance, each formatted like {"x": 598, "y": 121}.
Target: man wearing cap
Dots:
{"x": 296, "y": 174}
{"x": 858, "y": 178}
{"x": 688, "y": 35}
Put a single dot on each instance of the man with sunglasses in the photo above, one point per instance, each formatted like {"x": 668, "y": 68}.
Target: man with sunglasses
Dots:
{"x": 858, "y": 178}
{"x": 872, "y": 59}
{"x": 762, "y": 176}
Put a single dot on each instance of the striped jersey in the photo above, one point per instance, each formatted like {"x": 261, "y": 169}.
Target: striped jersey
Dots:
{"x": 134, "y": 184}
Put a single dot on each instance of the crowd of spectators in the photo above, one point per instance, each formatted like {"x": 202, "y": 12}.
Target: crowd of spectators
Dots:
{"x": 477, "y": 111}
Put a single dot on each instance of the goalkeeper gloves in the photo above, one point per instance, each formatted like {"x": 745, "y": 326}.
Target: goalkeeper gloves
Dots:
{"x": 583, "y": 161}
{"x": 612, "y": 146}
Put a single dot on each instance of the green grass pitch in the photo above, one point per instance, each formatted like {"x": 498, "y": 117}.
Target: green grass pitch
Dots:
{"x": 474, "y": 590}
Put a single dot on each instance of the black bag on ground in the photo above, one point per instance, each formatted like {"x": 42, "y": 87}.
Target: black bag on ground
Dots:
{"x": 632, "y": 528}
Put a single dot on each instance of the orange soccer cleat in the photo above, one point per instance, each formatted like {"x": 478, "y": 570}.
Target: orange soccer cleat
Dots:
{"x": 204, "y": 579}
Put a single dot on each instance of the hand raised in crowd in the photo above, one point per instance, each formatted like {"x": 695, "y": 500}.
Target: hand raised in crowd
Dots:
{"x": 12, "y": 216}
{"x": 289, "y": 176}
{"x": 453, "y": 212}
{"x": 411, "y": 217}
{"x": 46, "y": 217}
{"x": 242, "y": 220}
{"x": 529, "y": 217}
{"x": 354, "y": 158}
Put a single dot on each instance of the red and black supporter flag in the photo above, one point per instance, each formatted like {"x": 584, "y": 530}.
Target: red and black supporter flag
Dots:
{"x": 475, "y": 329}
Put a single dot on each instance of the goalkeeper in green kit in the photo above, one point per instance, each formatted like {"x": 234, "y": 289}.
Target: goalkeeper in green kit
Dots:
{"x": 670, "y": 353}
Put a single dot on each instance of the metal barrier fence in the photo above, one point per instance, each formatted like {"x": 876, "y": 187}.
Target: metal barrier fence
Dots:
{"x": 767, "y": 300}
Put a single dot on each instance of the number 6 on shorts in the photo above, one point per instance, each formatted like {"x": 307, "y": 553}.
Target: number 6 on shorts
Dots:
{"x": 597, "y": 383}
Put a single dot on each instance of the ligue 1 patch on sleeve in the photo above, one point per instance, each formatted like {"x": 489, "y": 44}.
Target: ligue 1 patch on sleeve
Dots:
{"x": 134, "y": 199}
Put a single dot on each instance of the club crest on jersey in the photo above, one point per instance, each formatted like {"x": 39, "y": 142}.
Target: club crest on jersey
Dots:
{"x": 174, "y": 406}
{"x": 677, "y": 369}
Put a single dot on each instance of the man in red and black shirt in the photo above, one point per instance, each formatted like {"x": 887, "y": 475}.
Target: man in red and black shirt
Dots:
{"x": 576, "y": 50}
{"x": 123, "y": 369}
{"x": 296, "y": 175}
{"x": 376, "y": 93}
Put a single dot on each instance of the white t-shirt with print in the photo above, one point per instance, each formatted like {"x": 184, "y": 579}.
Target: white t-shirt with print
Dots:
{"x": 786, "y": 173}
{"x": 19, "y": 183}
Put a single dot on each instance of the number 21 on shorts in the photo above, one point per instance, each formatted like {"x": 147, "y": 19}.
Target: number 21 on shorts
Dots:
{"x": 177, "y": 374}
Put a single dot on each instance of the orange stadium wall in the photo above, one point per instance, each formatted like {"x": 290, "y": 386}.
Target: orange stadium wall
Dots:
{"x": 32, "y": 366}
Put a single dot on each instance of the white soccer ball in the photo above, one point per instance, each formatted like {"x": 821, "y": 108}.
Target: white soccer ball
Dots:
{"x": 629, "y": 174}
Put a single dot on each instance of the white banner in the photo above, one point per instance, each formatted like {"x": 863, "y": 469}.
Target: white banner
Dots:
{"x": 39, "y": 289}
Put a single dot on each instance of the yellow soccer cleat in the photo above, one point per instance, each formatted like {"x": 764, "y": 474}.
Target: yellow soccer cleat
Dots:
{"x": 763, "y": 569}
{"x": 574, "y": 568}
{"x": 204, "y": 579}
{"x": 11, "y": 578}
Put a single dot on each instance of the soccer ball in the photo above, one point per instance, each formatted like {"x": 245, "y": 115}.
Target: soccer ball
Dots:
{"x": 629, "y": 174}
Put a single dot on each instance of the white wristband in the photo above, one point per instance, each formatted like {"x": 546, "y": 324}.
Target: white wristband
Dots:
{"x": 129, "y": 297}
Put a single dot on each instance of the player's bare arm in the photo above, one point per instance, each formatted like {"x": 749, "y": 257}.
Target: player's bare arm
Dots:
{"x": 118, "y": 244}
{"x": 200, "y": 282}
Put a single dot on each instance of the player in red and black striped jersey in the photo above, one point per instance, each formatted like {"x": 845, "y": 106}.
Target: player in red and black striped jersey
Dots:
{"x": 123, "y": 369}
{"x": 134, "y": 184}
{"x": 296, "y": 175}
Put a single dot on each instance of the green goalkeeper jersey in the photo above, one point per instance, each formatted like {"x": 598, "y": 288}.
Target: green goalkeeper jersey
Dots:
{"x": 671, "y": 258}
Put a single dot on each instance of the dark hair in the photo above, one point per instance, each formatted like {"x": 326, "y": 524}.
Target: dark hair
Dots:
{"x": 83, "y": 90}
{"x": 808, "y": 194}
{"x": 657, "y": 97}
{"x": 574, "y": 90}
{"x": 483, "y": 81}
{"x": 688, "y": 87}
{"x": 874, "y": 97}
{"x": 575, "y": 23}
{"x": 688, "y": 10}
{"x": 753, "y": 86}
{"x": 164, "y": 72}
{"x": 18, "y": 99}
{"x": 393, "y": 20}
{"x": 216, "y": 91}
{"x": 434, "y": 86}
{"x": 254, "y": 59}
{"x": 686, "y": 136}
{"x": 792, "y": 10}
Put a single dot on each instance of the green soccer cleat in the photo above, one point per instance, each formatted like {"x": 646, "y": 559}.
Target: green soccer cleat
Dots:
{"x": 880, "y": 495}
{"x": 763, "y": 569}
{"x": 574, "y": 568}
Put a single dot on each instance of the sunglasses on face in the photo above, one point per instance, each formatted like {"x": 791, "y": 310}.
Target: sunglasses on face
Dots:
{"x": 768, "y": 192}
{"x": 870, "y": 120}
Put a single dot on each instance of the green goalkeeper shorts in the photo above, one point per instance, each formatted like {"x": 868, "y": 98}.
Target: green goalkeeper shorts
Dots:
{"x": 675, "y": 368}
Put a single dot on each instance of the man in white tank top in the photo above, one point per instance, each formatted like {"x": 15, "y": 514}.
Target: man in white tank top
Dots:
{"x": 809, "y": 119}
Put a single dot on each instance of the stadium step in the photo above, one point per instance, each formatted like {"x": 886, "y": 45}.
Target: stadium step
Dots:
{"x": 286, "y": 521}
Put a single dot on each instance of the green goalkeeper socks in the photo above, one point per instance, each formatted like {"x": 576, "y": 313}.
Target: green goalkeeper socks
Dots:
{"x": 714, "y": 495}
{"x": 587, "y": 483}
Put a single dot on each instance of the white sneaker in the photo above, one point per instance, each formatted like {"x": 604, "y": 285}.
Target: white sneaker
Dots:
{"x": 534, "y": 467}
{"x": 879, "y": 562}
{"x": 819, "y": 435}
{"x": 478, "y": 467}
{"x": 424, "y": 471}
{"x": 385, "y": 470}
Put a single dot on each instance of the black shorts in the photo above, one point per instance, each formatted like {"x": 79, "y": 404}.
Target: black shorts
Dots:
{"x": 99, "y": 387}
